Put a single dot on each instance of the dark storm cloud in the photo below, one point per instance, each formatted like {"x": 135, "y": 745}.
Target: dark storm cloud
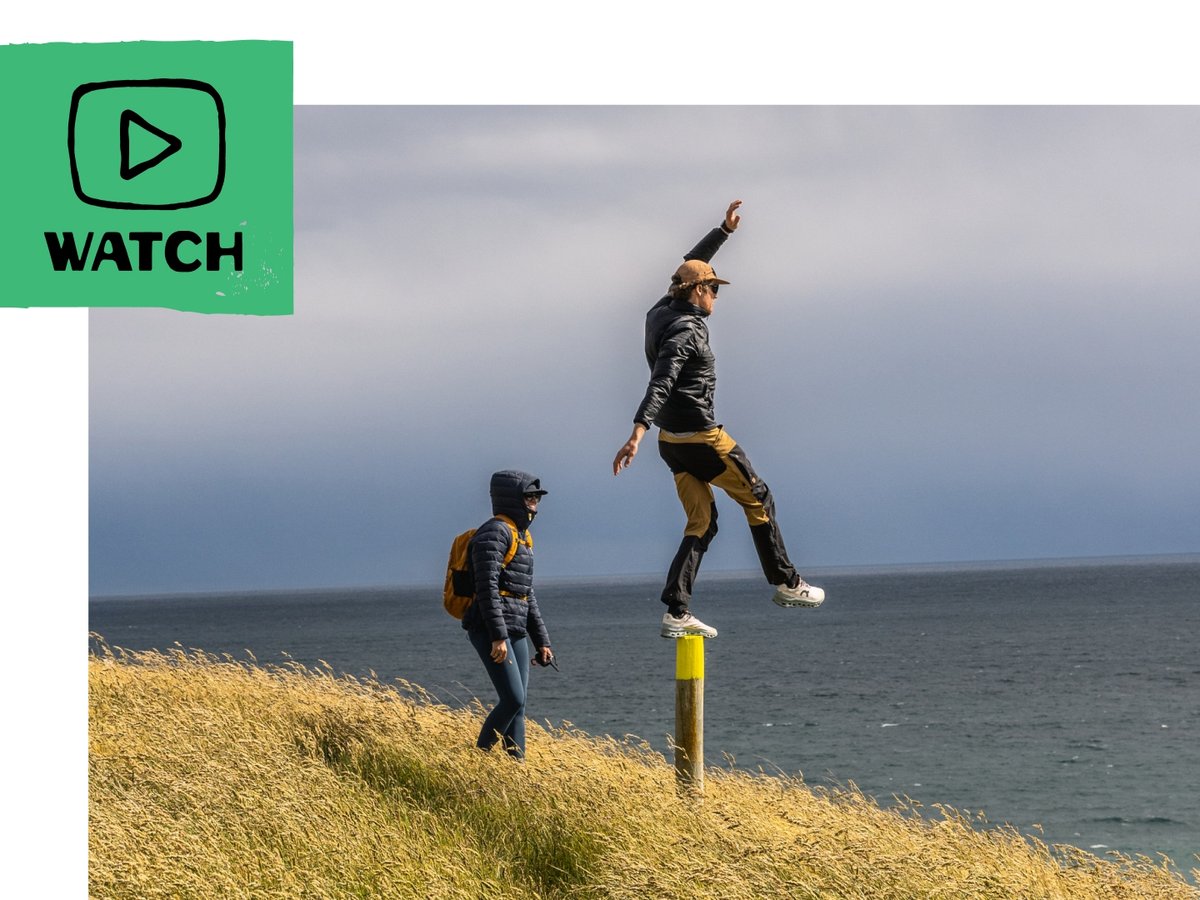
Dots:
{"x": 952, "y": 333}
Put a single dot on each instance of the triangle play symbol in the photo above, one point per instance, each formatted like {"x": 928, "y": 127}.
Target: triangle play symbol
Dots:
{"x": 129, "y": 117}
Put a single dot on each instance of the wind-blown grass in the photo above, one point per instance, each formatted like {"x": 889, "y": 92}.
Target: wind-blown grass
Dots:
{"x": 211, "y": 777}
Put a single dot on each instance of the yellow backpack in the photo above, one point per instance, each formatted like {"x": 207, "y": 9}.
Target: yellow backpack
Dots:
{"x": 459, "y": 591}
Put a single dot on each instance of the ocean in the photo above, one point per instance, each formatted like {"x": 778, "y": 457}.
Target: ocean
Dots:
{"x": 1061, "y": 697}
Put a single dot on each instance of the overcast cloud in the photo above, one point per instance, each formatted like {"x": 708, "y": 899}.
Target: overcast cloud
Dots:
{"x": 952, "y": 333}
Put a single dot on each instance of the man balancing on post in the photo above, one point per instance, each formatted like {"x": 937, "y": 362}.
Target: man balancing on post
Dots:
{"x": 679, "y": 400}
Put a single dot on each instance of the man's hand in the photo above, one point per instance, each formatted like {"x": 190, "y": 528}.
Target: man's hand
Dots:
{"x": 732, "y": 219}
{"x": 626, "y": 454}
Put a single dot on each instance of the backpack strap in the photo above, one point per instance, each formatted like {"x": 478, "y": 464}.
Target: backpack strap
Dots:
{"x": 512, "y": 549}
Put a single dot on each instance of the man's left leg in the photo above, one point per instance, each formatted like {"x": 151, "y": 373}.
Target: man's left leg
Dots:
{"x": 741, "y": 482}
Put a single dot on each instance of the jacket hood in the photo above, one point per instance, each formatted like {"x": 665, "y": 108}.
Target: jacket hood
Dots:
{"x": 508, "y": 489}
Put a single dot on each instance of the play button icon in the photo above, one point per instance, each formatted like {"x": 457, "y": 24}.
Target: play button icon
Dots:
{"x": 145, "y": 132}
{"x": 156, "y": 143}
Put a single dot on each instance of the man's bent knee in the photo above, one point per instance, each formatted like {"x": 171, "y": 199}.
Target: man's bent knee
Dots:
{"x": 703, "y": 528}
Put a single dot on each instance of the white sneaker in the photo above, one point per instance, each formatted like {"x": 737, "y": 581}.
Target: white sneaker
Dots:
{"x": 686, "y": 624}
{"x": 803, "y": 594}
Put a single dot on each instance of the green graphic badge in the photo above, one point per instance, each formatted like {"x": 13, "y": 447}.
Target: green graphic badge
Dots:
{"x": 148, "y": 174}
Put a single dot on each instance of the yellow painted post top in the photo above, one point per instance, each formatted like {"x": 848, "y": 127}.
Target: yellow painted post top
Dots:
{"x": 689, "y": 658}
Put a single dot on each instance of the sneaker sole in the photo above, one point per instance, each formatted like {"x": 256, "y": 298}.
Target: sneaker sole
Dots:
{"x": 793, "y": 604}
{"x": 672, "y": 633}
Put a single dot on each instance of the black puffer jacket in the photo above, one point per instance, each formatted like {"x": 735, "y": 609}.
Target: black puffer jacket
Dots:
{"x": 683, "y": 372}
{"x": 505, "y": 605}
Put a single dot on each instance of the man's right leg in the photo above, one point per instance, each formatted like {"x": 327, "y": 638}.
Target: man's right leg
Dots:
{"x": 701, "y": 509}
{"x": 697, "y": 499}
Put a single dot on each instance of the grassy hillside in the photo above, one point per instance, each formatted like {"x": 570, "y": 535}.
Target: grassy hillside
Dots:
{"x": 210, "y": 778}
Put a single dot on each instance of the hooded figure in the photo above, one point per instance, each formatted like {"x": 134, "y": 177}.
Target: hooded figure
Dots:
{"x": 509, "y": 490}
{"x": 505, "y": 617}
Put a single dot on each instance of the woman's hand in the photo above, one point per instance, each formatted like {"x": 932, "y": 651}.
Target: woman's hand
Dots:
{"x": 499, "y": 651}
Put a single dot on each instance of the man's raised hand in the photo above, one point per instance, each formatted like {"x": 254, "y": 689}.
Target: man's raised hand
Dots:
{"x": 732, "y": 219}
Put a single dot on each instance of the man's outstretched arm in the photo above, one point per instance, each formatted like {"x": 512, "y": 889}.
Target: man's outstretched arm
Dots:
{"x": 704, "y": 250}
{"x": 711, "y": 242}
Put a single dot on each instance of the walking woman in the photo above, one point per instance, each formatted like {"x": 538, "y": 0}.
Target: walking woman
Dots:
{"x": 505, "y": 620}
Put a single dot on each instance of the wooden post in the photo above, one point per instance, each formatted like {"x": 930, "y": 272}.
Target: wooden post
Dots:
{"x": 689, "y": 714}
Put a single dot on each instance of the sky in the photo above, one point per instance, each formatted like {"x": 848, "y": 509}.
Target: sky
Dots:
{"x": 953, "y": 333}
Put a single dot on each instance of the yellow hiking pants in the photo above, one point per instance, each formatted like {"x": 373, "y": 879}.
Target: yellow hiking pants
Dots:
{"x": 698, "y": 462}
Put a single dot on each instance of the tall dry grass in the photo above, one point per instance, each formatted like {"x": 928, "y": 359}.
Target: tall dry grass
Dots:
{"x": 211, "y": 778}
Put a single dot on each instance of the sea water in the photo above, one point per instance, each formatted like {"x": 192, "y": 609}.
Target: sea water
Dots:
{"x": 1060, "y": 697}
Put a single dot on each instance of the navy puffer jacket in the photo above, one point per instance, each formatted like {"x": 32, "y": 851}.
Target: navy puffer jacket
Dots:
{"x": 505, "y": 605}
